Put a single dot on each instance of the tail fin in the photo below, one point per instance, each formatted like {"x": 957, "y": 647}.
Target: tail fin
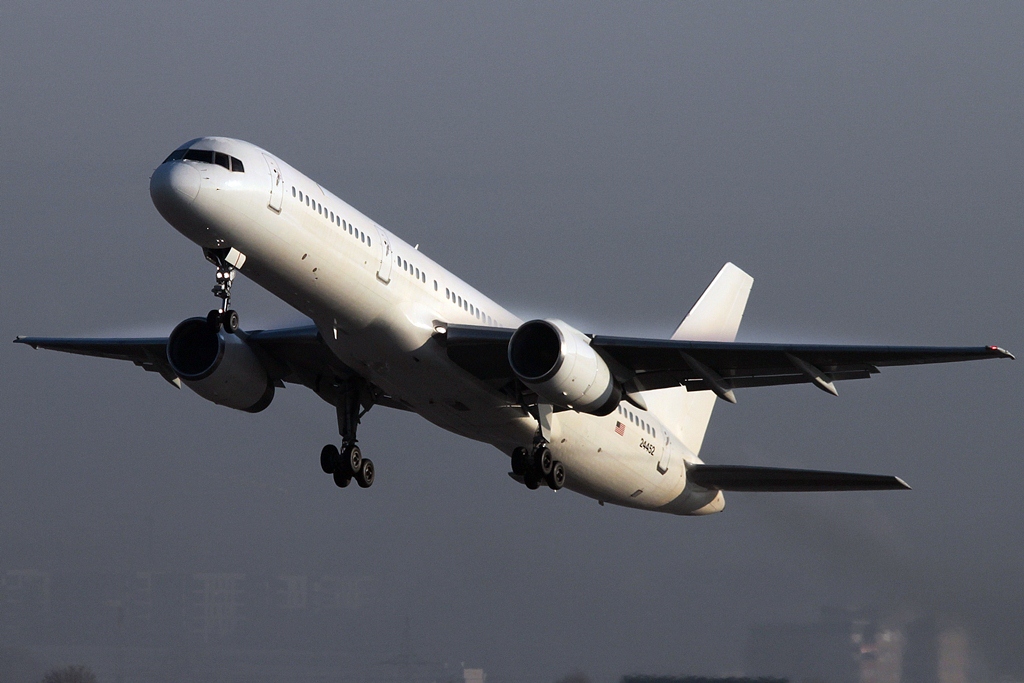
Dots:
{"x": 715, "y": 317}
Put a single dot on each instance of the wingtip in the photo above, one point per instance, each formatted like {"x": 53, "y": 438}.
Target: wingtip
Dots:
{"x": 1003, "y": 353}
{"x": 902, "y": 483}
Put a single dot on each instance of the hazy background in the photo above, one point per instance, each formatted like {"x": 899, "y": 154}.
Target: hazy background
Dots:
{"x": 598, "y": 161}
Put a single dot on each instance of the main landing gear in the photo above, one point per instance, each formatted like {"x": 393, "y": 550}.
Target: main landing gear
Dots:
{"x": 347, "y": 463}
{"x": 224, "y": 316}
{"x": 538, "y": 466}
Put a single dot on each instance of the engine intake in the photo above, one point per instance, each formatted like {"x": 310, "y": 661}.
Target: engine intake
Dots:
{"x": 219, "y": 367}
{"x": 557, "y": 361}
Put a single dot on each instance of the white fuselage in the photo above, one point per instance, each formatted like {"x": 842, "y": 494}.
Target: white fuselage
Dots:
{"x": 377, "y": 300}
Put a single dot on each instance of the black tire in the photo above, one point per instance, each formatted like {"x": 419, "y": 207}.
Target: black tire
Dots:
{"x": 544, "y": 461}
{"x": 365, "y": 475}
{"x": 556, "y": 480}
{"x": 329, "y": 458}
{"x": 213, "y": 319}
{"x": 341, "y": 479}
{"x": 531, "y": 481}
{"x": 351, "y": 460}
{"x": 230, "y": 321}
{"x": 520, "y": 461}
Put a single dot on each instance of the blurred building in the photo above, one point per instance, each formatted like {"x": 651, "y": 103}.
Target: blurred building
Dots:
{"x": 845, "y": 646}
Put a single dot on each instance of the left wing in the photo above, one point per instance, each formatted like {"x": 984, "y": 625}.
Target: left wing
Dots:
{"x": 648, "y": 364}
{"x": 297, "y": 355}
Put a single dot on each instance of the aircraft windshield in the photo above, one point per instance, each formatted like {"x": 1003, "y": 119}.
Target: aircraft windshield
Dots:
{"x": 207, "y": 156}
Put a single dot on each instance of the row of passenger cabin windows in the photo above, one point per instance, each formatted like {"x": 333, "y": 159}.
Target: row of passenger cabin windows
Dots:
{"x": 332, "y": 217}
{"x": 413, "y": 270}
{"x": 635, "y": 419}
{"x": 466, "y": 306}
{"x": 207, "y": 156}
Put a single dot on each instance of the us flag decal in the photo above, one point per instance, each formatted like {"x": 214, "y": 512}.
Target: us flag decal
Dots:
{"x": 620, "y": 428}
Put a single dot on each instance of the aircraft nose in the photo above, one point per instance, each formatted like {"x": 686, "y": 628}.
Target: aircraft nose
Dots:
{"x": 174, "y": 182}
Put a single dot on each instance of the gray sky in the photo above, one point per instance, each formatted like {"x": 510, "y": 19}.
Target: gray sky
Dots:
{"x": 595, "y": 161}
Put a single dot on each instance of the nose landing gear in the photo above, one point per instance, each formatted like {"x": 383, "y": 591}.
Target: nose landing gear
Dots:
{"x": 228, "y": 261}
{"x": 538, "y": 466}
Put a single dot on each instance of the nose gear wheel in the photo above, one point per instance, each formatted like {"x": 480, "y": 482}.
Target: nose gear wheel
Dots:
{"x": 225, "y": 277}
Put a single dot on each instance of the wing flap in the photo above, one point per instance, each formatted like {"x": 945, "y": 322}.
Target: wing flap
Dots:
{"x": 780, "y": 479}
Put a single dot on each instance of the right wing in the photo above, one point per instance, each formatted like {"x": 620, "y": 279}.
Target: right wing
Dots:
{"x": 649, "y": 364}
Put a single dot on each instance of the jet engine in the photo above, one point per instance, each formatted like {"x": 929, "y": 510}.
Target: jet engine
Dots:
{"x": 557, "y": 361}
{"x": 219, "y": 367}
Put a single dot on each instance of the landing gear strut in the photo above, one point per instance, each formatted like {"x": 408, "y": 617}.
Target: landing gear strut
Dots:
{"x": 538, "y": 466}
{"x": 225, "y": 277}
{"x": 347, "y": 463}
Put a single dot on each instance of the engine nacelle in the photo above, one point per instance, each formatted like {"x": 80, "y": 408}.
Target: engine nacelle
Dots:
{"x": 557, "y": 361}
{"x": 219, "y": 367}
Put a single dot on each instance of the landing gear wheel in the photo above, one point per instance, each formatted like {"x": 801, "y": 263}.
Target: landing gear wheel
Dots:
{"x": 556, "y": 480}
{"x": 230, "y": 321}
{"x": 341, "y": 479}
{"x": 213, "y": 319}
{"x": 364, "y": 477}
{"x": 351, "y": 460}
{"x": 544, "y": 461}
{"x": 329, "y": 459}
{"x": 520, "y": 461}
{"x": 531, "y": 481}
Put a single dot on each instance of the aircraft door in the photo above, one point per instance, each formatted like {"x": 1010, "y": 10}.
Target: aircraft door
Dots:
{"x": 387, "y": 256}
{"x": 666, "y": 457}
{"x": 276, "y": 184}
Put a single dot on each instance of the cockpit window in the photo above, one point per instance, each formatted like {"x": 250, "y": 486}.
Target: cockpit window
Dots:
{"x": 207, "y": 156}
{"x": 204, "y": 155}
{"x": 175, "y": 155}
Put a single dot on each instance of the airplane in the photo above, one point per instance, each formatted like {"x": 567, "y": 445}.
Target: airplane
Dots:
{"x": 620, "y": 420}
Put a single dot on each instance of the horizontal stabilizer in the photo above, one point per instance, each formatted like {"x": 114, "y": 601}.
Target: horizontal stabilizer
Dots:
{"x": 747, "y": 478}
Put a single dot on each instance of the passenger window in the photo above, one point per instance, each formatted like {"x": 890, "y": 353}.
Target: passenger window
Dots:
{"x": 369, "y": 242}
{"x": 447, "y": 293}
{"x": 236, "y": 165}
{"x": 435, "y": 285}
{"x": 417, "y": 273}
{"x": 301, "y": 197}
{"x": 332, "y": 216}
{"x": 293, "y": 190}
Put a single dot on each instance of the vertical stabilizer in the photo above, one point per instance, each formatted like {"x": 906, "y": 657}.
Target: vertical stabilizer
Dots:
{"x": 715, "y": 317}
